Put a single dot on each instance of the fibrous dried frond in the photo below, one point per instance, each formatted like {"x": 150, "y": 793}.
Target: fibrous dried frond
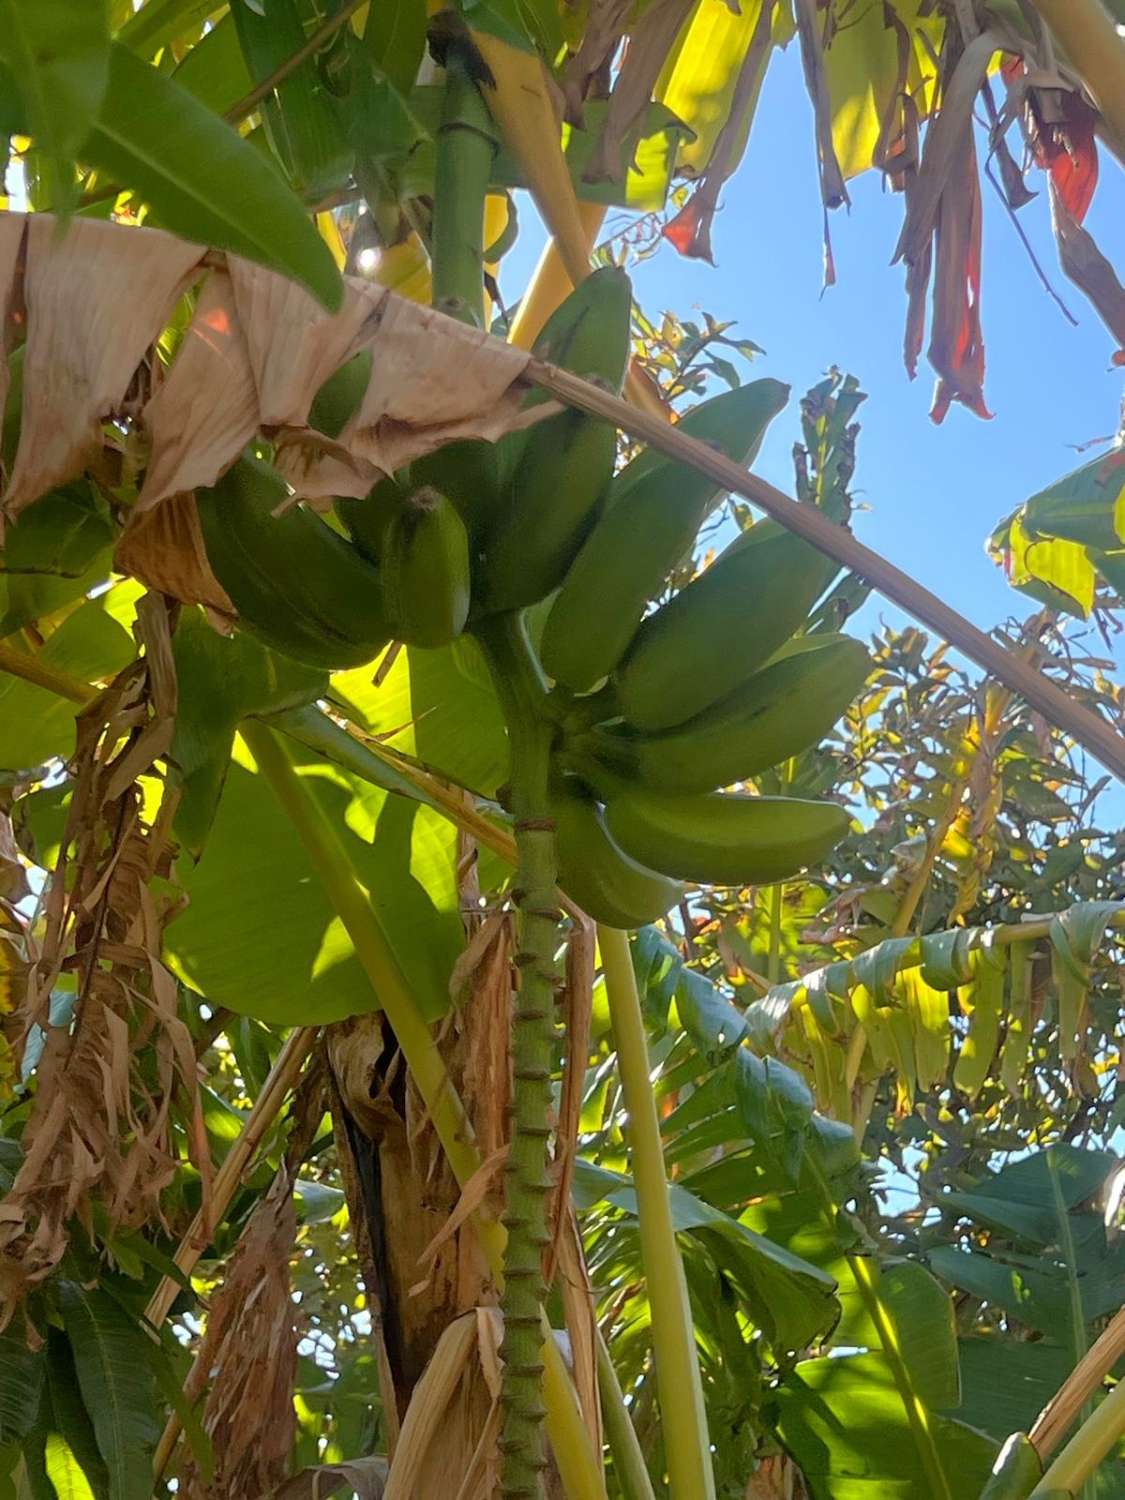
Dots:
{"x": 690, "y": 230}
{"x": 251, "y": 1338}
{"x": 100, "y": 1123}
{"x": 97, "y": 297}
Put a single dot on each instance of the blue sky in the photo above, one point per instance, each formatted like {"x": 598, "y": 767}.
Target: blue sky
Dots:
{"x": 934, "y": 492}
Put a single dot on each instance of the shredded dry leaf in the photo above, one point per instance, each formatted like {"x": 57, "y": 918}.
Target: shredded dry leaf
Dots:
{"x": 97, "y": 297}
{"x": 251, "y": 1344}
{"x": 606, "y": 24}
{"x": 100, "y": 1124}
{"x": 206, "y": 412}
{"x": 1089, "y": 269}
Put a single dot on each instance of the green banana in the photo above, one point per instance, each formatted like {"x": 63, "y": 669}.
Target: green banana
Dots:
{"x": 726, "y": 838}
{"x": 784, "y": 708}
{"x": 425, "y": 568}
{"x": 297, "y": 585}
{"x": 719, "y": 629}
{"x": 609, "y": 886}
{"x": 366, "y": 520}
{"x": 566, "y": 462}
{"x": 654, "y": 509}
{"x": 470, "y": 472}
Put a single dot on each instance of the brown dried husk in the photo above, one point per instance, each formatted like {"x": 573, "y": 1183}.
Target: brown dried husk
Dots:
{"x": 100, "y": 1127}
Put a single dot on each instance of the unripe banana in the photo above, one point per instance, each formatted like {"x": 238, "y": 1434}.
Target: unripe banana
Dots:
{"x": 726, "y": 838}
{"x": 653, "y": 511}
{"x": 425, "y": 568}
{"x": 340, "y": 395}
{"x": 366, "y": 520}
{"x": 564, "y": 469}
{"x": 297, "y": 585}
{"x": 714, "y": 633}
{"x": 609, "y": 886}
{"x": 785, "y": 708}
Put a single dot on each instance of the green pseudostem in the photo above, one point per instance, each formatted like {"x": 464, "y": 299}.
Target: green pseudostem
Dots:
{"x": 520, "y": 690}
{"x": 466, "y": 144}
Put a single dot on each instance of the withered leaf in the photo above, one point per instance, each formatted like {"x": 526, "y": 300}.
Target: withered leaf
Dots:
{"x": 206, "y": 412}
{"x": 97, "y": 297}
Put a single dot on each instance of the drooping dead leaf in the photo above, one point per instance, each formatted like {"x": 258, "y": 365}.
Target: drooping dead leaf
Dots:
{"x": 606, "y": 23}
{"x": 97, "y": 296}
{"x": 956, "y": 339}
{"x": 251, "y": 1344}
{"x": 163, "y": 547}
{"x": 1089, "y": 269}
{"x": 293, "y": 344}
{"x": 100, "y": 1125}
{"x": 690, "y": 230}
{"x": 649, "y": 43}
{"x": 833, "y": 190}
{"x": 433, "y": 381}
{"x": 206, "y": 412}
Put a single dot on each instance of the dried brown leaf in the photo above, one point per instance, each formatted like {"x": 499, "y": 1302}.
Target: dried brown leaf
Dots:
{"x": 97, "y": 296}
{"x": 606, "y": 24}
{"x": 365, "y": 1477}
{"x": 293, "y": 344}
{"x": 164, "y": 548}
{"x": 833, "y": 190}
{"x": 251, "y": 1344}
{"x": 1089, "y": 269}
{"x": 645, "y": 56}
{"x": 206, "y": 412}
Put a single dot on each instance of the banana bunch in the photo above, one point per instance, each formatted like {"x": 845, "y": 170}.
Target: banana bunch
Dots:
{"x": 652, "y": 709}
{"x": 298, "y": 586}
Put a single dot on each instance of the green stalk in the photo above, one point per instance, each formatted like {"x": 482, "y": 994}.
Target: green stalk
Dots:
{"x": 687, "y": 1446}
{"x": 520, "y": 690}
{"x": 633, "y": 1478}
{"x": 1086, "y": 1449}
{"x": 578, "y": 1464}
{"x": 466, "y": 143}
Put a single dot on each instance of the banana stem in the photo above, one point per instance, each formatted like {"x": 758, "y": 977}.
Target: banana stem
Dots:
{"x": 465, "y": 147}
{"x": 628, "y": 1460}
{"x": 574, "y": 1453}
{"x": 540, "y": 919}
{"x": 687, "y": 1446}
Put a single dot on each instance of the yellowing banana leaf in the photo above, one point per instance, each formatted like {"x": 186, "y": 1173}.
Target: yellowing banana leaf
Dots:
{"x": 1053, "y": 570}
{"x": 701, "y": 74}
{"x": 875, "y": 55}
{"x": 259, "y": 935}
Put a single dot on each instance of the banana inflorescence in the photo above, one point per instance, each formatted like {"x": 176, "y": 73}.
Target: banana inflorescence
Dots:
{"x": 657, "y": 711}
